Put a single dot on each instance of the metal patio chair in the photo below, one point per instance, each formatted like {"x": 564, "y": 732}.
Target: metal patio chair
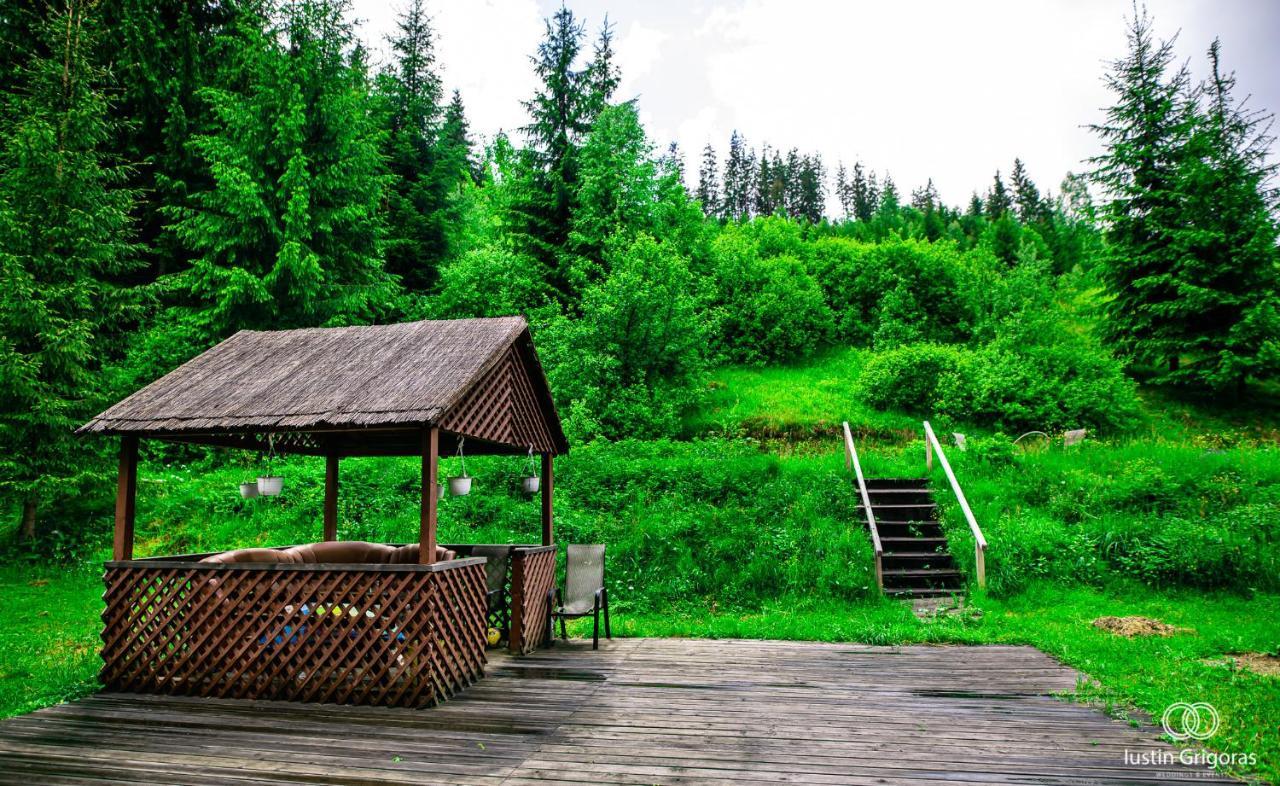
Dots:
{"x": 584, "y": 593}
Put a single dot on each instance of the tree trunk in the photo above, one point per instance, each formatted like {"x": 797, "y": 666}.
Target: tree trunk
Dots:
{"x": 28, "y": 531}
{"x": 1173, "y": 363}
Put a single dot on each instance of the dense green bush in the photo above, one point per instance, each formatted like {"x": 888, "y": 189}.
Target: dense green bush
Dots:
{"x": 1005, "y": 384}
{"x": 771, "y": 308}
{"x": 910, "y": 378}
{"x": 633, "y": 361}
{"x": 899, "y": 291}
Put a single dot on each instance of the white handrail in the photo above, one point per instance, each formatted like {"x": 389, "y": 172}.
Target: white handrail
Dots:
{"x": 980, "y": 543}
{"x": 851, "y": 460}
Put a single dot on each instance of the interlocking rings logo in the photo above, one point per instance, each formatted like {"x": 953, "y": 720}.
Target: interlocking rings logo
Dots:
{"x": 1184, "y": 721}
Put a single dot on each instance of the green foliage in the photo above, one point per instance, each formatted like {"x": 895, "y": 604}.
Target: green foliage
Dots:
{"x": 64, "y": 241}
{"x": 289, "y": 232}
{"x": 772, "y": 309}
{"x": 911, "y": 378}
{"x": 898, "y": 291}
{"x": 634, "y": 360}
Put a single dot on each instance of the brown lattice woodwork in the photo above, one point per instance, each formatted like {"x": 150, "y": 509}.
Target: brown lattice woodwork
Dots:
{"x": 533, "y": 575}
{"x": 502, "y": 407}
{"x": 390, "y": 635}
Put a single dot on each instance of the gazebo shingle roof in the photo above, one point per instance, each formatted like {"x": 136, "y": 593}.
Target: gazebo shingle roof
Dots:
{"x": 313, "y": 379}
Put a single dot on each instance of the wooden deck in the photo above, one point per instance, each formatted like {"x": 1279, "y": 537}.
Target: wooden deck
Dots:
{"x": 639, "y": 711}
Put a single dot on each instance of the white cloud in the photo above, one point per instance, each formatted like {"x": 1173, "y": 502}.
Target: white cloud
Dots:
{"x": 922, "y": 88}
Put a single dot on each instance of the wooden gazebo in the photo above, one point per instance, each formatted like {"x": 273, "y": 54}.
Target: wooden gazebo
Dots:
{"x": 370, "y": 633}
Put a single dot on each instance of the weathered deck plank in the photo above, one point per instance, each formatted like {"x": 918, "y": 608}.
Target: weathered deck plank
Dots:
{"x": 639, "y": 711}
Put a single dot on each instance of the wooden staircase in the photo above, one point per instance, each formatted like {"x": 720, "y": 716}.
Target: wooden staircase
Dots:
{"x": 915, "y": 562}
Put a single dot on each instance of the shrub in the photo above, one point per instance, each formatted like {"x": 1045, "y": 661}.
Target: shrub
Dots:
{"x": 634, "y": 360}
{"x": 909, "y": 378}
{"x": 771, "y": 308}
{"x": 898, "y": 291}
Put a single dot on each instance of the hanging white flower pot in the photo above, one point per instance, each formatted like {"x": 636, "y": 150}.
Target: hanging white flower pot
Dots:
{"x": 270, "y": 485}
{"x": 460, "y": 486}
{"x": 530, "y": 483}
{"x": 249, "y": 490}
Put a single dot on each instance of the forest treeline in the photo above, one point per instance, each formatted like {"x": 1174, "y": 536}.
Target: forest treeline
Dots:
{"x": 171, "y": 172}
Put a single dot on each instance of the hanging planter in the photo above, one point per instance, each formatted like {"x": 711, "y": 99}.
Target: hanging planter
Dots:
{"x": 270, "y": 485}
{"x": 460, "y": 485}
{"x": 249, "y": 489}
{"x": 530, "y": 483}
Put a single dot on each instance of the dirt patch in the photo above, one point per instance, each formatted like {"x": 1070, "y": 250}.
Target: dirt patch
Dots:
{"x": 1129, "y": 627}
{"x": 1256, "y": 662}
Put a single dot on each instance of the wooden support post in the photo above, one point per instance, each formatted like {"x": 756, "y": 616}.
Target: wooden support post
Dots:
{"x": 980, "y": 563}
{"x": 331, "y": 497}
{"x": 430, "y": 492}
{"x": 126, "y": 498}
{"x": 548, "y": 481}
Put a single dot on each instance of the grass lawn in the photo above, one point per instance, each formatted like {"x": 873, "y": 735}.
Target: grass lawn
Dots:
{"x": 48, "y": 649}
{"x": 794, "y": 401}
{"x": 49, "y": 639}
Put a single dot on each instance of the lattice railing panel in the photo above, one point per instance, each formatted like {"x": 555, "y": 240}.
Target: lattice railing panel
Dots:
{"x": 533, "y": 575}
{"x": 400, "y": 637}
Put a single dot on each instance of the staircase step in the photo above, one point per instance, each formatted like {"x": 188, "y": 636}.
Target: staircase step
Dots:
{"x": 940, "y": 556}
{"x": 894, "y": 540}
{"x": 940, "y": 573}
{"x": 922, "y": 592}
{"x": 880, "y": 497}
{"x": 895, "y": 483}
{"x": 911, "y": 510}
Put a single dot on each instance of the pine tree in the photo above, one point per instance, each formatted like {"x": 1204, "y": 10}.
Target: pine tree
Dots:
{"x": 161, "y": 53}
{"x": 1145, "y": 140}
{"x": 290, "y": 232}
{"x": 561, "y": 113}
{"x": 998, "y": 202}
{"x": 1227, "y": 315}
{"x": 865, "y": 193}
{"x": 976, "y": 208}
{"x": 417, "y": 232}
{"x": 1030, "y": 206}
{"x": 844, "y": 191}
{"x": 889, "y": 201}
{"x": 64, "y": 235}
{"x": 708, "y": 182}
{"x": 739, "y": 176}
{"x": 811, "y": 189}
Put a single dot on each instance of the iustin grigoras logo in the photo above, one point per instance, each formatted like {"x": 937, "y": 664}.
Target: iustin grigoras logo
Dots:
{"x": 1184, "y": 721}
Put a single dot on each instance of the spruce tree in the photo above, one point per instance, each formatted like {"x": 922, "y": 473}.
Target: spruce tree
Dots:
{"x": 708, "y": 182}
{"x": 65, "y": 235}
{"x": 865, "y": 194}
{"x": 811, "y": 189}
{"x": 1030, "y": 206}
{"x": 1227, "y": 315}
{"x": 290, "y": 232}
{"x": 739, "y": 177}
{"x": 561, "y": 113}
{"x": 1144, "y": 136}
{"x": 998, "y": 201}
{"x": 417, "y": 231}
{"x": 844, "y": 192}
{"x": 161, "y": 53}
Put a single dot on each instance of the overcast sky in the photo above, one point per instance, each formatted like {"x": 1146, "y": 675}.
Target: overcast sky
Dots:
{"x": 921, "y": 88}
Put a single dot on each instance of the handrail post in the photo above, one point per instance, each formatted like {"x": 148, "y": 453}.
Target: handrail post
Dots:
{"x": 928, "y": 450}
{"x": 851, "y": 458}
{"x": 980, "y": 543}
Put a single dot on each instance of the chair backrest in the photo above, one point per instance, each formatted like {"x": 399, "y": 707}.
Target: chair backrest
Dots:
{"x": 495, "y": 569}
{"x": 583, "y": 572}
